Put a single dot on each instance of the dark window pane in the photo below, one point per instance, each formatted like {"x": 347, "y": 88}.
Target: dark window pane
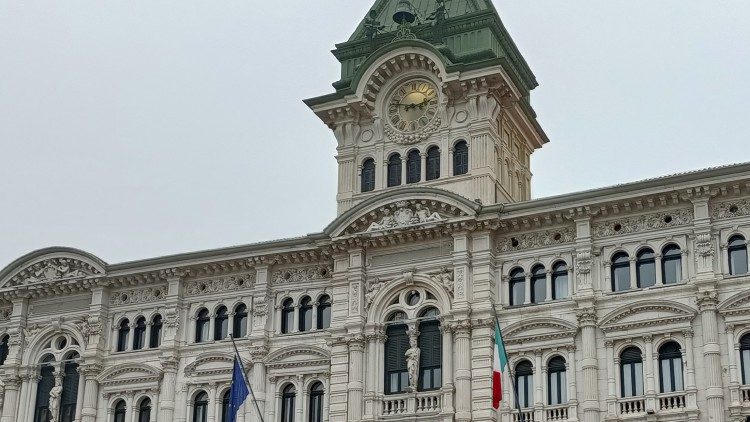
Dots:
{"x": 538, "y": 288}
{"x": 324, "y": 312}
{"x": 396, "y": 345}
{"x": 221, "y": 324}
{"x": 144, "y": 411}
{"x": 433, "y": 163}
{"x": 460, "y": 158}
{"x": 201, "y": 326}
{"x": 368, "y": 175}
{"x": 430, "y": 362}
{"x": 413, "y": 167}
{"x": 305, "y": 314}
{"x": 139, "y": 334}
{"x": 560, "y": 282}
{"x": 394, "y": 170}
{"x": 620, "y": 273}
{"x": 239, "y": 324}
{"x": 737, "y": 256}
{"x": 44, "y": 386}
{"x": 122, "y": 335}
{"x": 155, "y": 338}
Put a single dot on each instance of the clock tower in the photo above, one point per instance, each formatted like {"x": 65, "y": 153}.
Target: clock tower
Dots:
{"x": 433, "y": 94}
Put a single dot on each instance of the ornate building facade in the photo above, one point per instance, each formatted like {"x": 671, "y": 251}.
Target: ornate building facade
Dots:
{"x": 616, "y": 304}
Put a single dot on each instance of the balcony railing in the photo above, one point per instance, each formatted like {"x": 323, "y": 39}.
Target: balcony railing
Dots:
{"x": 525, "y": 415}
{"x": 671, "y": 401}
{"x": 411, "y": 404}
{"x": 632, "y": 405}
{"x": 745, "y": 394}
{"x": 556, "y": 413}
{"x": 394, "y": 406}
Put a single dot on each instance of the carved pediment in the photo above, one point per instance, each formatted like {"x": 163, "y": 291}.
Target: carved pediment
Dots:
{"x": 539, "y": 330}
{"x": 297, "y": 357}
{"x": 738, "y": 304}
{"x": 130, "y": 374}
{"x": 52, "y": 270}
{"x": 212, "y": 364}
{"x": 647, "y": 313}
{"x": 404, "y": 214}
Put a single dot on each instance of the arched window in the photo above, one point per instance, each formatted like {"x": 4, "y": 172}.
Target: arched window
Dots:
{"x": 460, "y": 158}
{"x": 287, "y": 316}
{"x": 559, "y": 281}
{"x": 139, "y": 334}
{"x": 745, "y": 358}
{"x": 631, "y": 372}
{"x": 144, "y": 410}
{"x": 239, "y": 324}
{"x": 225, "y": 398}
{"x": 368, "y": 175}
{"x": 201, "y": 326}
{"x": 305, "y": 314}
{"x": 44, "y": 386}
{"x": 413, "y": 167}
{"x": 433, "y": 163}
{"x": 646, "y": 268}
{"x": 287, "y": 403}
{"x": 119, "y": 413}
{"x": 671, "y": 264}
{"x": 122, "y": 335}
{"x": 394, "y": 170}
{"x": 620, "y": 272}
{"x": 324, "y": 312}
{"x": 538, "y": 284}
{"x": 396, "y": 345}
{"x": 737, "y": 255}
{"x": 525, "y": 384}
{"x": 670, "y": 367}
{"x": 316, "y": 402}
{"x": 4, "y": 349}
{"x": 557, "y": 384}
{"x": 200, "y": 407}
{"x": 517, "y": 287}
{"x": 155, "y": 338}
{"x": 70, "y": 389}
{"x": 430, "y": 344}
{"x": 221, "y": 324}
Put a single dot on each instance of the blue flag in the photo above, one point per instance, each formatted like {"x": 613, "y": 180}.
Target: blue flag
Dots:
{"x": 238, "y": 393}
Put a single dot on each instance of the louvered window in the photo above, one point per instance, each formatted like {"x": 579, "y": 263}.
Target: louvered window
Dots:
{"x": 396, "y": 373}
{"x": 431, "y": 355}
{"x": 745, "y": 358}
{"x": 44, "y": 386}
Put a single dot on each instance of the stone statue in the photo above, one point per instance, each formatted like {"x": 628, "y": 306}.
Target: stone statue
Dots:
{"x": 424, "y": 216}
{"x": 412, "y": 361}
{"x": 372, "y": 25}
{"x": 54, "y": 401}
{"x": 386, "y": 222}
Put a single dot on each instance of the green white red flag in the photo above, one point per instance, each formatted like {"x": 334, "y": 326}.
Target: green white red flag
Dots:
{"x": 499, "y": 363}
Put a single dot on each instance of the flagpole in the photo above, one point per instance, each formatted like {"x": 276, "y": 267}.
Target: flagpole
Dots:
{"x": 510, "y": 371}
{"x": 244, "y": 377}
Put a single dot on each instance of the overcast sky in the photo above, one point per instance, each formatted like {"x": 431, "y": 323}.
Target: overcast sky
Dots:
{"x": 138, "y": 129}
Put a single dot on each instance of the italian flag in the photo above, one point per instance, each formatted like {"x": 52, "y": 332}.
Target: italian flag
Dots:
{"x": 499, "y": 362}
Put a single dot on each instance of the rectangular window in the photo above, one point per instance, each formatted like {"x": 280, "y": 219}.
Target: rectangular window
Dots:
{"x": 672, "y": 271}
{"x": 621, "y": 278}
{"x": 745, "y": 358}
{"x": 518, "y": 293}
{"x": 540, "y": 290}
{"x": 560, "y": 287}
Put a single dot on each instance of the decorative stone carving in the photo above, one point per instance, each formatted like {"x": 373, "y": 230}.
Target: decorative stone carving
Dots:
{"x": 302, "y": 274}
{"x": 586, "y": 316}
{"x": 222, "y": 284}
{"x": 731, "y": 209}
{"x": 412, "y": 358}
{"x": 372, "y": 288}
{"x": 536, "y": 240}
{"x": 260, "y": 306}
{"x": 445, "y": 279}
{"x": 149, "y": 294}
{"x": 258, "y": 353}
{"x": 413, "y": 138}
{"x": 54, "y": 399}
{"x": 5, "y": 314}
{"x": 642, "y": 223}
{"x": 53, "y": 269}
{"x": 459, "y": 284}
{"x": 583, "y": 265}
{"x": 402, "y": 214}
{"x": 354, "y": 299}
{"x": 707, "y": 300}
{"x": 405, "y": 216}
{"x": 703, "y": 245}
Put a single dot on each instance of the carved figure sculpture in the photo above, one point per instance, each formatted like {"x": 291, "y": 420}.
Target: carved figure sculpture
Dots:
{"x": 412, "y": 362}
{"x": 386, "y": 222}
{"x": 424, "y": 216}
{"x": 54, "y": 401}
{"x": 372, "y": 25}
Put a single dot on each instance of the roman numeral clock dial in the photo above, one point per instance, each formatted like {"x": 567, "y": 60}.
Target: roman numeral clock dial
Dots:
{"x": 413, "y": 106}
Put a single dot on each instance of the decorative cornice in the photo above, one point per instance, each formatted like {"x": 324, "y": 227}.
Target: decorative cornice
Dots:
{"x": 220, "y": 285}
{"x": 643, "y": 223}
{"x": 730, "y": 209}
{"x": 535, "y": 240}
{"x": 134, "y": 296}
{"x": 302, "y": 274}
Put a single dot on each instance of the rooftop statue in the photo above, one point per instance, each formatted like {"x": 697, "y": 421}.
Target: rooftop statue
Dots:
{"x": 372, "y": 25}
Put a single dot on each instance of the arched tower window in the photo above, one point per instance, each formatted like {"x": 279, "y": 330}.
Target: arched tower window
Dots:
{"x": 316, "y": 402}
{"x": 631, "y": 372}
{"x": 119, "y": 413}
{"x": 155, "y": 336}
{"x": 517, "y": 287}
{"x": 368, "y": 175}
{"x": 225, "y": 399}
{"x": 394, "y": 170}
{"x": 239, "y": 324}
{"x": 4, "y": 349}
{"x": 525, "y": 383}
{"x": 737, "y": 255}
{"x": 671, "y": 264}
{"x": 202, "y": 326}
{"x": 221, "y": 324}
{"x": 460, "y": 158}
{"x": 287, "y": 316}
{"x": 144, "y": 410}
{"x": 305, "y": 314}
{"x": 560, "y": 281}
{"x": 430, "y": 343}
{"x": 745, "y": 358}
{"x": 620, "y": 272}
{"x": 43, "y": 388}
{"x": 324, "y": 312}
{"x": 413, "y": 167}
{"x": 200, "y": 407}
{"x": 433, "y": 163}
{"x": 670, "y": 367}
{"x": 122, "y": 335}
{"x": 557, "y": 384}
{"x": 538, "y": 284}
{"x": 396, "y": 345}
{"x": 139, "y": 334}
{"x": 70, "y": 389}
{"x": 645, "y": 268}
{"x": 287, "y": 403}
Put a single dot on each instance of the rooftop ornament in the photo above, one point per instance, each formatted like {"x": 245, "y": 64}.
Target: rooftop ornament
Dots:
{"x": 372, "y": 25}
{"x": 404, "y": 17}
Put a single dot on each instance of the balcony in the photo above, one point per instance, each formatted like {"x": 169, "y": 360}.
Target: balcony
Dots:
{"x": 745, "y": 394}
{"x": 632, "y": 406}
{"x": 550, "y": 413}
{"x": 425, "y": 403}
{"x": 671, "y": 401}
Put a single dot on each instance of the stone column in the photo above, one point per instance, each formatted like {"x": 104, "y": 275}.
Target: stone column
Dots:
{"x": 649, "y": 369}
{"x": 659, "y": 274}
{"x": 732, "y": 353}
{"x": 79, "y": 397}
{"x": 611, "y": 384}
{"x": 276, "y": 398}
{"x": 589, "y": 365}
{"x": 540, "y": 372}
{"x": 212, "y": 401}
{"x": 423, "y": 168}
{"x": 447, "y": 332}
{"x": 707, "y": 302}
{"x": 527, "y": 289}
{"x": 684, "y": 266}
{"x": 549, "y": 285}
{"x": 572, "y": 387}
{"x": 463, "y": 370}
{"x": 356, "y": 370}
{"x": 167, "y": 396}
{"x": 295, "y": 324}
{"x": 10, "y": 402}
{"x": 24, "y": 403}
{"x": 403, "y": 170}
{"x": 372, "y": 371}
{"x": 607, "y": 277}
{"x": 690, "y": 369}
{"x": 258, "y": 379}
{"x": 633, "y": 274}
{"x": 301, "y": 408}
{"x": 34, "y": 384}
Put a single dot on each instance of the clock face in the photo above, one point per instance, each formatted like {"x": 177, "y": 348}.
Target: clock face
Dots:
{"x": 413, "y": 106}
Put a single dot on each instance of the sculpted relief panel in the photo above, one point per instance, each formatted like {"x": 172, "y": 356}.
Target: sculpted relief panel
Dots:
{"x": 404, "y": 214}
{"x": 53, "y": 269}
{"x": 303, "y": 274}
{"x": 642, "y": 223}
{"x": 221, "y": 284}
{"x": 536, "y": 240}
{"x": 150, "y": 294}
{"x": 731, "y": 209}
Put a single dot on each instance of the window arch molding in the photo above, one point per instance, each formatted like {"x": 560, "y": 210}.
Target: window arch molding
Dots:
{"x": 733, "y": 244}
{"x": 46, "y": 345}
{"x": 382, "y": 306}
{"x": 412, "y": 311}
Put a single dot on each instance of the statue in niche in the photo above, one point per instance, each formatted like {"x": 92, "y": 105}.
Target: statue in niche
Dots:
{"x": 412, "y": 359}
{"x": 54, "y": 400}
{"x": 422, "y": 214}
{"x": 372, "y": 25}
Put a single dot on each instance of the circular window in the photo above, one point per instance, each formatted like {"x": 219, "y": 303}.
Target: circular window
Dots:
{"x": 557, "y": 237}
{"x": 124, "y": 297}
{"x": 618, "y": 227}
{"x": 514, "y": 242}
{"x": 323, "y": 272}
{"x": 412, "y": 299}
{"x": 668, "y": 219}
{"x": 287, "y": 275}
{"x": 733, "y": 209}
{"x": 241, "y": 282}
{"x": 61, "y": 342}
{"x": 157, "y": 294}
{"x": 203, "y": 287}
